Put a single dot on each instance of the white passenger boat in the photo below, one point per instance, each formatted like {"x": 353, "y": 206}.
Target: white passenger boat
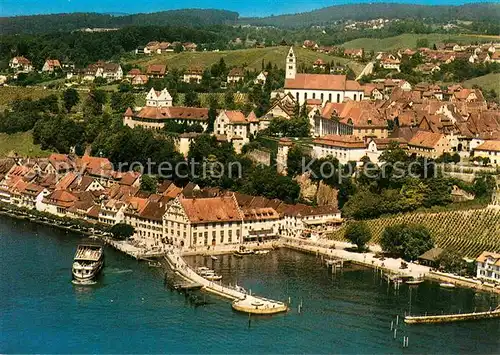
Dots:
{"x": 88, "y": 261}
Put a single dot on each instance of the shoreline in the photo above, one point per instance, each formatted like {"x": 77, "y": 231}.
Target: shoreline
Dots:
{"x": 322, "y": 247}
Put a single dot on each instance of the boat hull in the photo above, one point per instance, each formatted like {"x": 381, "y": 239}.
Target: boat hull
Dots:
{"x": 87, "y": 275}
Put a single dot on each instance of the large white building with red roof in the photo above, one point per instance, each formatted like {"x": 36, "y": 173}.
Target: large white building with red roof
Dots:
{"x": 325, "y": 87}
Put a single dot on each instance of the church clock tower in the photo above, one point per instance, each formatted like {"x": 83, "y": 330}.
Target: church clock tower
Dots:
{"x": 291, "y": 65}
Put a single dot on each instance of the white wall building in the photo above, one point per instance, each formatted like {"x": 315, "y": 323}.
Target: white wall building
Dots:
{"x": 192, "y": 222}
{"x": 488, "y": 266}
{"x": 325, "y": 87}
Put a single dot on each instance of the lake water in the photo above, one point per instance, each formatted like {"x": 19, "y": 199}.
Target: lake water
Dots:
{"x": 131, "y": 311}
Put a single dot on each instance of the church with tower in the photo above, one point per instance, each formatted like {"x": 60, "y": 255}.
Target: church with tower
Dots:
{"x": 324, "y": 87}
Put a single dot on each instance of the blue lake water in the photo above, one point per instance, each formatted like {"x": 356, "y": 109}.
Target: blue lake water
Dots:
{"x": 130, "y": 310}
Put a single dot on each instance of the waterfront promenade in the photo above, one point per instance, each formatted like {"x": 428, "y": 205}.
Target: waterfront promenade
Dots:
{"x": 242, "y": 302}
{"x": 335, "y": 249}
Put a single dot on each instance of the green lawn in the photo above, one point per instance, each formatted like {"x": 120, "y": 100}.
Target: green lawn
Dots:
{"x": 486, "y": 82}
{"x": 20, "y": 143}
{"x": 409, "y": 40}
{"x": 249, "y": 58}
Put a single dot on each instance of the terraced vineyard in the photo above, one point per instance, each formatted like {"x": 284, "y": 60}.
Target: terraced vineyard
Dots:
{"x": 468, "y": 232}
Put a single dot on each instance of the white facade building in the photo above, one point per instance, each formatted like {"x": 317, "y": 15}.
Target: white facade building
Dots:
{"x": 488, "y": 266}
{"x": 325, "y": 87}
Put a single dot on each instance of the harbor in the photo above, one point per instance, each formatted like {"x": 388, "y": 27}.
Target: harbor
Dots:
{"x": 240, "y": 301}
{"x": 344, "y": 312}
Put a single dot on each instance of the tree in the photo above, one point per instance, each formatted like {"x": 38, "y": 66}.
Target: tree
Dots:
{"x": 455, "y": 158}
{"x": 212, "y": 116}
{"x": 95, "y": 102}
{"x": 452, "y": 262}
{"x": 422, "y": 43}
{"x": 229, "y": 100}
{"x": 70, "y": 98}
{"x": 294, "y": 160}
{"x": 484, "y": 185}
{"x": 149, "y": 183}
{"x": 358, "y": 233}
{"x": 120, "y": 101}
{"x": 406, "y": 240}
{"x": 122, "y": 231}
{"x": 191, "y": 99}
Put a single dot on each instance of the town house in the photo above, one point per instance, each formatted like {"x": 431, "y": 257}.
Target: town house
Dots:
{"x": 429, "y": 144}
{"x": 489, "y": 149}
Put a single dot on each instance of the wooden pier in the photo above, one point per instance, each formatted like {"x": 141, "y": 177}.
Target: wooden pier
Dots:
{"x": 446, "y": 318}
{"x": 241, "y": 302}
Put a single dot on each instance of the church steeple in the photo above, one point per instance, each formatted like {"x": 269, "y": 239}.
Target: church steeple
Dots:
{"x": 290, "y": 65}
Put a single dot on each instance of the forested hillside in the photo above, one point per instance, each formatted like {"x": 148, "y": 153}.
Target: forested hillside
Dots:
{"x": 75, "y": 21}
{"x": 83, "y": 48}
{"x": 361, "y": 12}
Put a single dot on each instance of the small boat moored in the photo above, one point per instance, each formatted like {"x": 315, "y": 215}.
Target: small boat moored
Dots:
{"x": 213, "y": 277}
{"x": 243, "y": 251}
{"x": 447, "y": 285}
{"x": 415, "y": 282}
{"x": 262, "y": 252}
{"x": 213, "y": 257}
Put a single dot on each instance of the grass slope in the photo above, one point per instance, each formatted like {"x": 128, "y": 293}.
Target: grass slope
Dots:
{"x": 20, "y": 143}
{"x": 486, "y": 82}
{"x": 409, "y": 40}
{"x": 10, "y": 93}
{"x": 249, "y": 58}
{"x": 469, "y": 232}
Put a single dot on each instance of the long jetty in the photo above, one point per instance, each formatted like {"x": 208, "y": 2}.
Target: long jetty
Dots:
{"x": 446, "y": 318}
{"x": 241, "y": 302}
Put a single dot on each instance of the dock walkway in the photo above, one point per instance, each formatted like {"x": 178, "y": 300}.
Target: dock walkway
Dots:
{"x": 240, "y": 301}
{"x": 446, "y": 318}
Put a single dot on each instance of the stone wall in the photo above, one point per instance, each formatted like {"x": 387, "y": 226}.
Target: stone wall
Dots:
{"x": 260, "y": 156}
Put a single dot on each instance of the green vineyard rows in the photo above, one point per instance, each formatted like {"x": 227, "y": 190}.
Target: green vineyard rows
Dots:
{"x": 467, "y": 232}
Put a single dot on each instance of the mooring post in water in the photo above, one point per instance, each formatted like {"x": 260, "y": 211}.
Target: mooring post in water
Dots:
{"x": 249, "y": 320}
{"x": 395, "y": 332}
{"x": 397, "y": 319}
{"x": 392, "y": 325}
{"x": 289, "y": 300}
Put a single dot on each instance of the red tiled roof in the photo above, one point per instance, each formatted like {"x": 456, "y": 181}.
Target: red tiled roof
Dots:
{"x": 23, "y": 60}
{"x": 53, "y": 62}
{"x": 258, "y": 214}
{"x": 159, "y": 113}
{"x": 95, "y": 163}
{"x": 210, "y": 210}
{"x": 425, "y": 139}
{"x": 317, "y": 82}
{"x": 236, "y": 72}
{"x": 335, "y": 140}
{"x": 156, "y": 69}
{"x": 492, "y": 145}
{"x": 134, "y": 72}
{"x": 236, "y": 117}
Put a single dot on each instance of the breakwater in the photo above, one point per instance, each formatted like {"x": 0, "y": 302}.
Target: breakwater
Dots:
{"x": 447, "y": 318}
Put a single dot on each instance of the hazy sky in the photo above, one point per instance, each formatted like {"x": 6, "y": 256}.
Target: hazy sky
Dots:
{"x": 243, "y": 7}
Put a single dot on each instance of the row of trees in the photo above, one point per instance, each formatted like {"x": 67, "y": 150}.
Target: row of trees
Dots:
{"x": 407, "y": 241}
